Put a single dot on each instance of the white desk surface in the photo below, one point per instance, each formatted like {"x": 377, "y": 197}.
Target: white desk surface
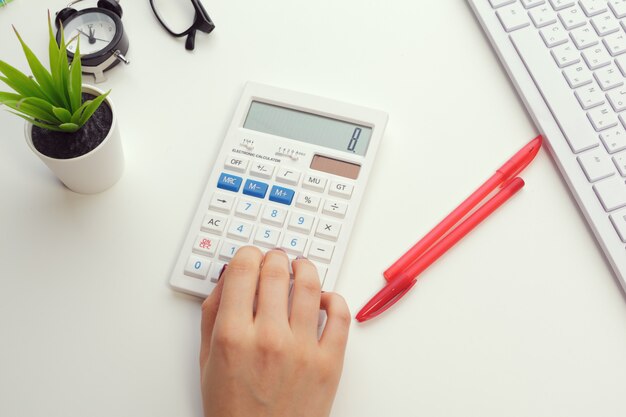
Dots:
{"x": 523, "y": 318}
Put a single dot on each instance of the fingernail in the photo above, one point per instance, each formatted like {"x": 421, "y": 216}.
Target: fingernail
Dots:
{"x": 222, "y": 271}
{"x": 280, "y": 249}
{"x": 300, "y": 257}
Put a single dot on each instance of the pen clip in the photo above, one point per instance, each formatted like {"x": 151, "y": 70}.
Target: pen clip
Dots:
{"x": 391, "y": 301}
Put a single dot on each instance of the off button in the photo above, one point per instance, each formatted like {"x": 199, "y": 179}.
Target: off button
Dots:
{"x": 235, "y": 163}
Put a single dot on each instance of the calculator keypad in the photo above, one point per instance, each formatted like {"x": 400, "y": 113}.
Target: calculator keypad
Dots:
{"x": 270, "y": 207}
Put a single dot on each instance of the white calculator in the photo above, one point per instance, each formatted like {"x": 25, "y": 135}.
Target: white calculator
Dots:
{"x": 290, "y": 174}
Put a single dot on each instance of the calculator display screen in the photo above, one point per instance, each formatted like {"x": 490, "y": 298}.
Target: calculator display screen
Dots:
{"x": 308, "y": 127}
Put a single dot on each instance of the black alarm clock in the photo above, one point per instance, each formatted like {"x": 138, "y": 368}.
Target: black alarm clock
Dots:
{"x": 103, "y": 41}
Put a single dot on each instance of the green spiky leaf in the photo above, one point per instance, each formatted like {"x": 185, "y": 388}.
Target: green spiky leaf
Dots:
{"x": 62, "y": 114}
{"x": 50, "y": 99}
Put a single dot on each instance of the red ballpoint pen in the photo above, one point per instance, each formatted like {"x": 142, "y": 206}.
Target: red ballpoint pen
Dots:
{"x": 402, "y": 275}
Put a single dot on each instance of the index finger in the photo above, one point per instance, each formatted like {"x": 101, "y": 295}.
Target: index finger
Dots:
{"x": 240, "y": 282}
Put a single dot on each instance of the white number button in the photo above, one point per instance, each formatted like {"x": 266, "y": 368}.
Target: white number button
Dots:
{"x": 341, "y": 189}
{"x": 197, "y": 267}
{"x": 205, "y": 245}
{"x": 267, "y": 236}
{"x": 274, "y": 215}
{"x": 237, "y": 164}
{"x": 228, "y": 250}
{"x": 262, "y": 170}
{"x": 240, "y": 230}
{"x": 335, "y": 208}
{"x": 301, "y": 222}
{"x": 248, "y": 208}
{"x": 327, "y": 229}
{"x": 216, "y": 270}
{"x": 308, "y": 201}
{"x": 294, "y": 243}
{"x": 313, "y": 182}
{"x": 213, "y": 223}
{"x": 321, "y": 251}
{"x": 288, "y": 176}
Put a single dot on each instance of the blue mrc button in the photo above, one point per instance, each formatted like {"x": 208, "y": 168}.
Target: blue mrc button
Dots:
{"x": 281, "y": 195}
{"x": 255, "y": 188}
{"x": 229, "y": 182}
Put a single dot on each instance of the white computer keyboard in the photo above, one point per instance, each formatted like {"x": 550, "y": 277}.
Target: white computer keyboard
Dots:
{"x": 290, "y": 174}
{"x": 567, "y": 59}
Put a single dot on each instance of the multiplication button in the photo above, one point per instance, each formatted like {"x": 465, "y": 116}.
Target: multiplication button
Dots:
{"x": 327, "y": 229}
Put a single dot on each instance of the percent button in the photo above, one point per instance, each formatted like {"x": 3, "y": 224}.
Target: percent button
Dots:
{"x": 308, "y": 201}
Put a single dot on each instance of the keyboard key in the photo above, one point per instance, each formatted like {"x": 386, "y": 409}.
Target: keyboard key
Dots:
{"x": 561, "y": 4}
{"x": 621, "y": 63}
{"x": 596, "y": 164}
{"x": 618, "y": 7}
{"x": 262, "y": 170}
{"x": 255, "y": 188}
{"x": 281, "y": 195}
{"x": 314, "y": 182}
{"x": 577, "y": 75}
{"x": 608, "y": 77}
{"x": 222, "y": 202}
{"x": 294, "y": 243}
{"x": 267, "y": 236}
{"x": 288, "y": 176}
{"x": 229, "y": 182}
{"x": 240, "y": 230}
{"x": 554, "y": 35}
{"x": 327, "y": 229}
{"x": 542, "y": 16}
{"x": 589, "y": 96}
{"x": 619, "y": 222}
{"x": 320, "y": 251}
{"x": 308, "y": 201}
{"x": 512, "y": 17}
{"x": 576, "y": 129}
{"x": 583, "y": 37}
{"x": 274, "y": 215}
{"x": 565, "y": 55}
{"x": 596, "y": 57}
{"x": 499, "y": 3}
{"x": 602, "y": 118}
{"x": 620, "y": 163}
{"x": 572, "y": 18}
{"x": 604, "y": 24}
{"x": 615, "y": 43}
{"x": 532, "y": 3}
{"x": 205, "y": 245}
{"x": 248, "y": 209}
{"x": 237, "y": 164}
{"x": 614, "y": 139}
{"x": 301, "y": 222}
{"x": 213, "y": 223}
{"x": 617, "y": 98}
{"x": 197, "y": 267}
{"x": 593, "y": 7}
{"x": 611, "y": 192}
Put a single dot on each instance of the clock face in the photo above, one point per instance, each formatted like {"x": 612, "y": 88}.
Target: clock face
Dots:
{"x": 95, "y": 30}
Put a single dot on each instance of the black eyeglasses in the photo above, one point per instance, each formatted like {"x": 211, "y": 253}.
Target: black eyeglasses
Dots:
{"x": 183, "y": 18}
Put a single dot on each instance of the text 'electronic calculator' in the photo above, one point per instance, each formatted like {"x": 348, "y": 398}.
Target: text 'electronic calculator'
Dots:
{"x": 290, "y": 174}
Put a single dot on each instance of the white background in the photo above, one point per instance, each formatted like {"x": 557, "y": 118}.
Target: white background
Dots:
{"x": 523, "y": 318}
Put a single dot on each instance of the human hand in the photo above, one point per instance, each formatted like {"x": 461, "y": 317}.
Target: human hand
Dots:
{"x": 269, "y": 363}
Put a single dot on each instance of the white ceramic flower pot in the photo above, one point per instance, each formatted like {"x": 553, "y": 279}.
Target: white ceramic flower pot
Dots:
{"x": 94, "y": 171}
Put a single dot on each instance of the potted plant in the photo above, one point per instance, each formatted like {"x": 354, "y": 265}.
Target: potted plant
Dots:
{"x": 72, "y": 127}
